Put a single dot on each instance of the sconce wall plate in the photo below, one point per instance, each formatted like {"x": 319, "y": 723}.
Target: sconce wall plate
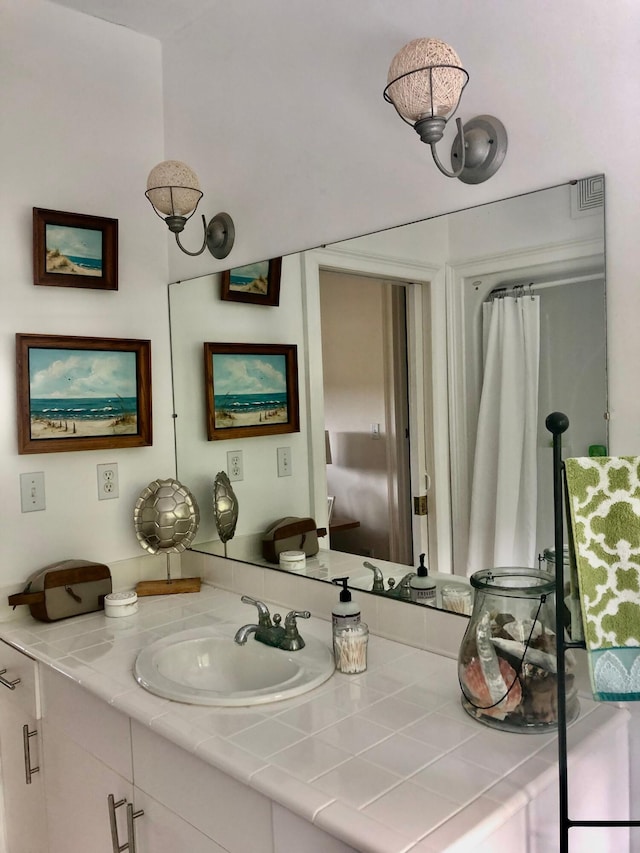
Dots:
{"x": 485, "y": 139}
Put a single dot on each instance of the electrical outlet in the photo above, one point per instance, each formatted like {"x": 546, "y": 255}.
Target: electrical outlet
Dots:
{"x": 32, "y": 498}
{"x": 284, "y": 462}
{"x": 108, "y": 486}
{"x": 235, "y": 468}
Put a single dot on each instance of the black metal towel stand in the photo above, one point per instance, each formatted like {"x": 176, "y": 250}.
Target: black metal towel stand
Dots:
{"x": 558, "y": 423}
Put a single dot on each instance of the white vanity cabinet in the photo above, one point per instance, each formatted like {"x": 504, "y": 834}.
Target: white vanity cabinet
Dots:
{"x": 93, "y": 751}
{"x": 21, "y": 754}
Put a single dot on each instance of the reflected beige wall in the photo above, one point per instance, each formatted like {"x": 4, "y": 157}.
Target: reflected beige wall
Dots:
{"x": 353, "y": 370}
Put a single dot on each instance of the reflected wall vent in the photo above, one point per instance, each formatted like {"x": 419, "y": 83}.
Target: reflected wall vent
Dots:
{"x": 587, "y": 196}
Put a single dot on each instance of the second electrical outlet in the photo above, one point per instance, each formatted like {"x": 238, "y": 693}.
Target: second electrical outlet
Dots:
{"x": 108, "y": 481}
{"x": 235, "y": 468}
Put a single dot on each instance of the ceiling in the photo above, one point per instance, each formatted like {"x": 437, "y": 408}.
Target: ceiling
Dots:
{"x": 157, "y": 18}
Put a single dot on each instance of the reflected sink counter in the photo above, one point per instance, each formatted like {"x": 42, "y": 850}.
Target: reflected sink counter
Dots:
{"x": 385, "y": 761}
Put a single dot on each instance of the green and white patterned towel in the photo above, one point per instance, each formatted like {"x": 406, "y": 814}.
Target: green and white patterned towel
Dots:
{"x": 604, "y": 509}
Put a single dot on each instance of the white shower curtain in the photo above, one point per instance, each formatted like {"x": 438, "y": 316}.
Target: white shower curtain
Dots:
{"x": 502, "y": 530}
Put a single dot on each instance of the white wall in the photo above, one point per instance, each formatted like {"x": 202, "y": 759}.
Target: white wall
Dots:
{"x": 81, "y": 107}
{"x": 299, "y": 146}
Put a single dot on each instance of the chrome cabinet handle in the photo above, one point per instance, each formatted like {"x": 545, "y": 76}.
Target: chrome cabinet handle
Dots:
{"x": 130, "y": 844}
{"x": 115, "y": 843}
{"x": 131, "y": 830}
{"x": 10, "y": 684}
{"x": 28, "y": 769}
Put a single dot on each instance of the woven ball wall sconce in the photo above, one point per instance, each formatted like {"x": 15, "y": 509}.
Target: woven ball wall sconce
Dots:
{"x": 173, "y": 190}
{"x": 425, "y": 84}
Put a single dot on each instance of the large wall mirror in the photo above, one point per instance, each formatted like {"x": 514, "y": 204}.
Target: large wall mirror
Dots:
{"x": 428, "y": 358}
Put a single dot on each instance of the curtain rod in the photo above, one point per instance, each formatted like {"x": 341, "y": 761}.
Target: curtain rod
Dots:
{"x": 531, "y": 286}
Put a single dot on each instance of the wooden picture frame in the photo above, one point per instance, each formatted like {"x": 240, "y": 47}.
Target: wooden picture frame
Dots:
{"x": 74, "y": 250}
{"x": 251, "y": 390}
{"x": 77, "y": 393}
{"x": 256, "y": 283}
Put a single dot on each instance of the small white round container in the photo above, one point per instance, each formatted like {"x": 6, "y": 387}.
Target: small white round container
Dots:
{"x": 120, "y": 604}
{"x": 293, "y": 561}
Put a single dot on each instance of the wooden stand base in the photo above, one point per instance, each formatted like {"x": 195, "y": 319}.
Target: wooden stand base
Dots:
{"x": 168, "y": 587}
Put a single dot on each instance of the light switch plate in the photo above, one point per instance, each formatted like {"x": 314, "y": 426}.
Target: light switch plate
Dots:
{"x": 32, "y": 497}
{"x": 284, "y": 462}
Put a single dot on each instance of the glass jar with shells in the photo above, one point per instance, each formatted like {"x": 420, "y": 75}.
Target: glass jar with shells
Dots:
{"x": 507, "y": 661}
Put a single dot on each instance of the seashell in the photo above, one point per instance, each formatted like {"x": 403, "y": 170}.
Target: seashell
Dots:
{"x": 478, "y": 692}
{"x": 516, "y": 650}
{"x": 520, "y": 629}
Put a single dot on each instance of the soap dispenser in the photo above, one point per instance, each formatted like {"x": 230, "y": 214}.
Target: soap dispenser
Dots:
{"x": 350, "y": 634}
{"x": 422, "y": 587}
{"x": 345, "y": 612}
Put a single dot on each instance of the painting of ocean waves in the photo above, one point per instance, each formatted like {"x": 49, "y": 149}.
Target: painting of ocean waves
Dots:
{"x": 83, "y": 408}
{"x": 251, "y": 408}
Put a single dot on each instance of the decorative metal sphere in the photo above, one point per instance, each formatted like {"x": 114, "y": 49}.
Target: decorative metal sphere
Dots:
{"x": 166, "y": 517}
{"x": 184, "y": 195}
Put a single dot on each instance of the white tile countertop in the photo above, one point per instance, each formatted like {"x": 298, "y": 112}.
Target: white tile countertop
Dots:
{"x": 386, "y": 761}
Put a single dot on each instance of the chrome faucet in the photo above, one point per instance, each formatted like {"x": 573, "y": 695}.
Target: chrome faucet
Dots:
{"x": 270, "y": 632}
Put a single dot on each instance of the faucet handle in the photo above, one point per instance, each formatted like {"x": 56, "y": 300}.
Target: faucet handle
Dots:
{"x": 292, "y": 615}
{"x": 292, "y": 641}
{"x": 264, "y": 617}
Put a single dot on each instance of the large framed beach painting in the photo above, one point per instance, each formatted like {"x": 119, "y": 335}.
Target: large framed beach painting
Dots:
{"x": 251, "y": 389}
{"x": 82, "y": 393}
{"x": 257, "y": 283}
{"x": 74, "y": 250}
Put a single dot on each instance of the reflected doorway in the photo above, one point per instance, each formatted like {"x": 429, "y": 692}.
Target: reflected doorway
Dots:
{"x": 366, "y": 400}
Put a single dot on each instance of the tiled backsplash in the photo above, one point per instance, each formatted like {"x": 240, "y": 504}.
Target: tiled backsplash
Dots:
{"x": 415, "y": 625}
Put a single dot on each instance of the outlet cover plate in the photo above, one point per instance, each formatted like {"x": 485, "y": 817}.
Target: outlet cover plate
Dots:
{"x": 235, "y": 465}
{"x": 108, "y": 484}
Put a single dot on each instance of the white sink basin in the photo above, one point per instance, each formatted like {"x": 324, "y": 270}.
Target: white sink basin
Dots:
{"x": 202, "y": 667}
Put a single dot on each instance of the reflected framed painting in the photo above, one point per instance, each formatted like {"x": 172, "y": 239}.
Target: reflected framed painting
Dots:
{"x": 74, "y": 250}
{"x": 77, "y": 393}
{"x": 257, "y": 283}
{"x": 251, "y": 390}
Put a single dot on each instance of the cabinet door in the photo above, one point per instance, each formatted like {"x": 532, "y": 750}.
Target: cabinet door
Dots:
{"x": 24, "y": 812}
{"x": 77, "y": 791}
{"x": 159, "y": 830}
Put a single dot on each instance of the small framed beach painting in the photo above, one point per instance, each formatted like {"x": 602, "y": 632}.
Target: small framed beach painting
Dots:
{"x": 257, "y": 283}
{"x": 74, "y": 250}
{"x": 82, "y": 393}
{"x": 251, "y": 390}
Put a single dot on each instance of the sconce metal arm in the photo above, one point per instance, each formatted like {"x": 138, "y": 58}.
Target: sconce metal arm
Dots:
{"x": 436, "y": 159}
{"x": 204, "y": 242}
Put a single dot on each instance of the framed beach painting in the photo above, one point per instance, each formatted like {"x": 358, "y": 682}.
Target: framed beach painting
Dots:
{"x": 257, "y": 283}
{"x": 74, "y": 250}
{"x": 82, "y": 393}
{"x": 251, "y": 389}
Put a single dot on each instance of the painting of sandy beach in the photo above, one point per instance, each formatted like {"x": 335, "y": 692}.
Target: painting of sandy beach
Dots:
{"x": 74, "y": 250}
{"x": 258, "y": 283}
{"x": 252, "y": 389}
{"x": 81, "y": 393}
